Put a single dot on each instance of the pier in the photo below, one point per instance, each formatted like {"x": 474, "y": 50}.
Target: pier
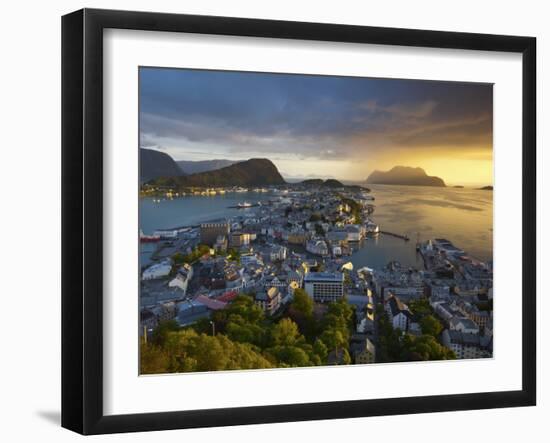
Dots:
{"x": 393, "y": 234}
{"x": 253, "y": 205}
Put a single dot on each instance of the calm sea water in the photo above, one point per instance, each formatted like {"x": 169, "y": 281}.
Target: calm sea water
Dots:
{"x": 193, "y": 209}
{"x": 463, "y": 216}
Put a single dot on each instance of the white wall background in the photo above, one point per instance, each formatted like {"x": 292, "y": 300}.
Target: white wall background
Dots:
{"x": 30, "y": 217}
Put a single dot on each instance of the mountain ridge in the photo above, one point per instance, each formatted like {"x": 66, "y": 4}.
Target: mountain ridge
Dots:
{"x": 252, "y": 172}
{"x": 194, "y": 167}
{"x": 154, "y": 164}
{"x": 404, "y": 175}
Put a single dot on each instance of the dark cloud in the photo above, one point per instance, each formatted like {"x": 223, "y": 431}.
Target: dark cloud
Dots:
{"x": 321, "y": 116}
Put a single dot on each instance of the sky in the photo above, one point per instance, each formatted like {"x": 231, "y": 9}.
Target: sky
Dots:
{"x": 320, "y": 126}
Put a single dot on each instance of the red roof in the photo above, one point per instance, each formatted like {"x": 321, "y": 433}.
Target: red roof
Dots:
{"x": 228, "y": 296}
{"x": 210, "y": 303}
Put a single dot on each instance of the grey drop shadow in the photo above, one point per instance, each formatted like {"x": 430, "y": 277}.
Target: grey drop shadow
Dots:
{"x": 54, "y": 417}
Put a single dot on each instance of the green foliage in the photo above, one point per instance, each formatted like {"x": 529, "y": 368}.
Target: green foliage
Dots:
{"x": 302, "y": 303}
{"x": 420, "y": 307}
{"x": 179, "y": 258}
{"x": 319, "y": 230}
{"x": 431, "y": 326}
{"x": 246, "y": 339}
{"x": 290, "y": 349}
{"x": 424, "y": 347}
{"x": 242, "y": 321}
{"x": 320, "y": 349}
{"x": 429, "y": 323}
{"x": 301, "y": 312}
{"x": 334, "y": 338}
{"x": 336, "y": 325}
{"x": 355, "y": 209}
{"x": 289, "y": 356}
{"x": 485, "y": 305}
{"x": 285, "y": 333}
{"x": 190, "y": 351}
{"x": 160, "y": 333}
{"x": 234, "y": 255}
{"x": 153, "y": 359}
{"x": 315, "y": 217}
{"x": 347, "y": 279}
{"x": 397, "y": 346}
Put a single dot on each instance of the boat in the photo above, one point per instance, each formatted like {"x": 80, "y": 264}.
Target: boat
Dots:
{"x": 148, "y": 238}
{"x": 244, "y": 205}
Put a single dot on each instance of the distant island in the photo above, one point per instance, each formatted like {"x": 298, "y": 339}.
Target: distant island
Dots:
{"x": 404, "y": 175}
{"x": 329, "y": 183}
{"x": 194, "y": 167}
{"x": 253, "y": 172}
{"x": 486, "y": 188}
{"x": 458, "y": 186}
{"x": 154, "y": 164}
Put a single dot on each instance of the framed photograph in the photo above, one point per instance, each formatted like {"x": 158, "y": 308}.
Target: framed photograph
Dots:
{"x": 269, "y": 221}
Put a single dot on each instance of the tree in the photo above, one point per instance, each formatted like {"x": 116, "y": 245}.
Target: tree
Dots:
{"x": 234, "y": 255}
{"x": 190, "y": 351}
{"x": 286, "y": 333}
{"x": 347, "y": 279}
{"x": 178, "y": 258}
{"x": 152, "y": 359}
{"x": 334, "y": 338}
{"x": 420, "y": 307}
{"x": 242, "y": 321}
{"x": 424, "y": 347}
{"x": 301, "y": 312}
{"x": 431, "y": 326}
{"x": 319, "y": 230}
{"x": 315, "y": 217}
{"x": 160, "y": 333}
{"x": 290, "y": 356}
{"x": 321, "y": 350}
{"x": 302, "y": 303}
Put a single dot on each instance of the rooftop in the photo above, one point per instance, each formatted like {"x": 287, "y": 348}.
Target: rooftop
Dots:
{"x": 336, "y": 277}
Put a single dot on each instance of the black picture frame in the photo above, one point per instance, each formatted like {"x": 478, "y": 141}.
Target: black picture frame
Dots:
{"x": 82, "y": 215}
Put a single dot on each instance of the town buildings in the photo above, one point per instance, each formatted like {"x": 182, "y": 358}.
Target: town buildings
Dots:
{"x": 364, "y": 352}
{"x": 324, "y": 287}
{"x": 209, "y": 232}
{"x": 302, "y": 239}
{"x": 269, "y": 300}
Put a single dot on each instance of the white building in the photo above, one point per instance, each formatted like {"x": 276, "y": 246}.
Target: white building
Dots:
{"x": 168, "y": 234}
{"x": 354, "y": 233}
{"x": 465, "y": 325}
{"x": 278, "y": 253}
{"x": 318, "y": 247}
{"x": 182, "y": 278}
{"x": 466, "y": 345}
{"x": 324, "y": 286}
{"x": 157, "y": 270}
{"x": 399, "y": 313}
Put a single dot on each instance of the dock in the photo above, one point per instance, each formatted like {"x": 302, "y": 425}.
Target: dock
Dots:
{"x": 393, "y": 234}
{"x": 255, "y": 205}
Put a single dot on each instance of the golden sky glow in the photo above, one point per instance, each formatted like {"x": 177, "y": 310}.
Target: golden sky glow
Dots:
{"x": 321, "y": 126}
